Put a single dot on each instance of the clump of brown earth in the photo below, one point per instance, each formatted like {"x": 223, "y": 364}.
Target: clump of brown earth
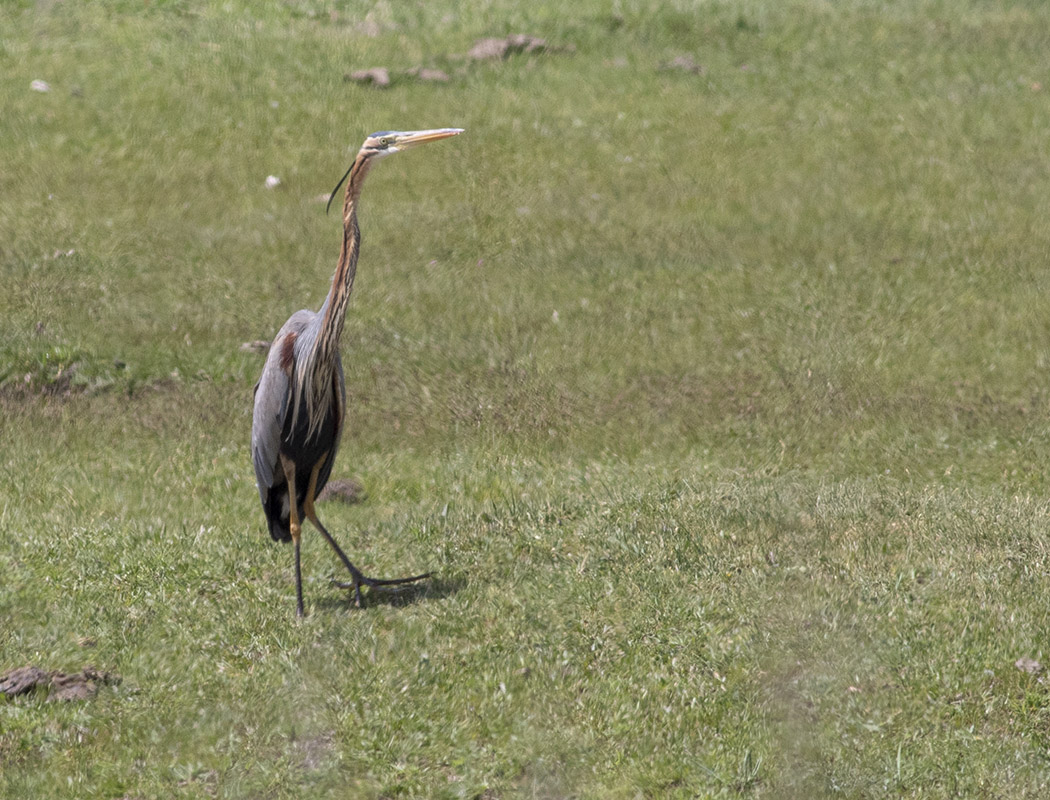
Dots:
{"x": 684, "y": 64}
{"x": 490, "y": 48}
{"x": 81, "y": 685}
{"x": 345, "y": 489}
{"x": 487, "y": 49}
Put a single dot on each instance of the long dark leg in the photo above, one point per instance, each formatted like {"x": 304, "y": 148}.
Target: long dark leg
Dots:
{"x": 296, "y": 531}
{"x": 298, "y": 580}
{"x": 357, "y": 578}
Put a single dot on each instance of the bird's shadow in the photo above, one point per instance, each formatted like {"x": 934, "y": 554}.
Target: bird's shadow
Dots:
{"x": 433, "y": 588}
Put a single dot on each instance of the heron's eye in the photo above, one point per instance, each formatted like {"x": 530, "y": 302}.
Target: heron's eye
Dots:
{"x": 384, "y": 141}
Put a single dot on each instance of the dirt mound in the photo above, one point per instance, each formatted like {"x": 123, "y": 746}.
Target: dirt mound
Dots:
{"x": 258, "y": 346}
{"x": 345, "y": 489}
{"x": 81, "y": 685}
{"x": 379, "y": 76}
{"x": 487, "y": 49}
{"x": 502, "y": 48}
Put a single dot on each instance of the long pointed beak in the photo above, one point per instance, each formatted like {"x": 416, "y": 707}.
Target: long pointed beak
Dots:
{"x": 403, "y": 140}
{"x": 407, "y": 139}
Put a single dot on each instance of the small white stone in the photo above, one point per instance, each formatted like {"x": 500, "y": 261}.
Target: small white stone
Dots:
{"x": 272, "y": 181}
{"x": 40, "y": 86}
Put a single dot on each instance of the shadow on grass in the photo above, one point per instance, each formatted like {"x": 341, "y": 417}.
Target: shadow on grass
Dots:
{"x": 434, "y": 588}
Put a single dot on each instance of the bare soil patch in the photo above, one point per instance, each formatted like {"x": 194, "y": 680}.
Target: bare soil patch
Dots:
{"x": 346, "y": 490}
{"x": 81, "y": 685}
{"x": 486, "y": 49}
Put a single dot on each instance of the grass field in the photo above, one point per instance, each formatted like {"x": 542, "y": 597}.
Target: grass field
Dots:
{"x": 716, "y": 397}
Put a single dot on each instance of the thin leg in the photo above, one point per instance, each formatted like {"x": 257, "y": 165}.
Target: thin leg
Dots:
{"x": 296, "y": 531}
{"x": 356, "y": 576}
{"x": 298, "y": 580}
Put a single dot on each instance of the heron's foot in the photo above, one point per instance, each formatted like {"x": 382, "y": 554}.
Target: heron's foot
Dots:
{"x": 359, "y": 579}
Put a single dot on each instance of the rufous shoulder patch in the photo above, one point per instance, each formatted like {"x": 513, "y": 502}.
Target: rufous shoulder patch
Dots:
{"x": 288, "y": 352}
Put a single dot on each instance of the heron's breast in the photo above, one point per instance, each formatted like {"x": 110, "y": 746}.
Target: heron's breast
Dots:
{"x": 306, "y": 448}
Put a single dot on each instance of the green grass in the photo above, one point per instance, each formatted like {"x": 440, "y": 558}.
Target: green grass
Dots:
{"x": 716, "y": 401}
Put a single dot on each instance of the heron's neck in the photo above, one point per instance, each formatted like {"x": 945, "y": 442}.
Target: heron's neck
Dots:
{"x": 333, "y": 312}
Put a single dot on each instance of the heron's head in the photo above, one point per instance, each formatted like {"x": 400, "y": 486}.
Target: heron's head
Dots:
{"x": 384, "y": 143}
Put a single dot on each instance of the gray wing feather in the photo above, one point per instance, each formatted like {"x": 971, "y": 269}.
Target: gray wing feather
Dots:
{"x": 272, "y": 396}
{"x": 271, "y": 404}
